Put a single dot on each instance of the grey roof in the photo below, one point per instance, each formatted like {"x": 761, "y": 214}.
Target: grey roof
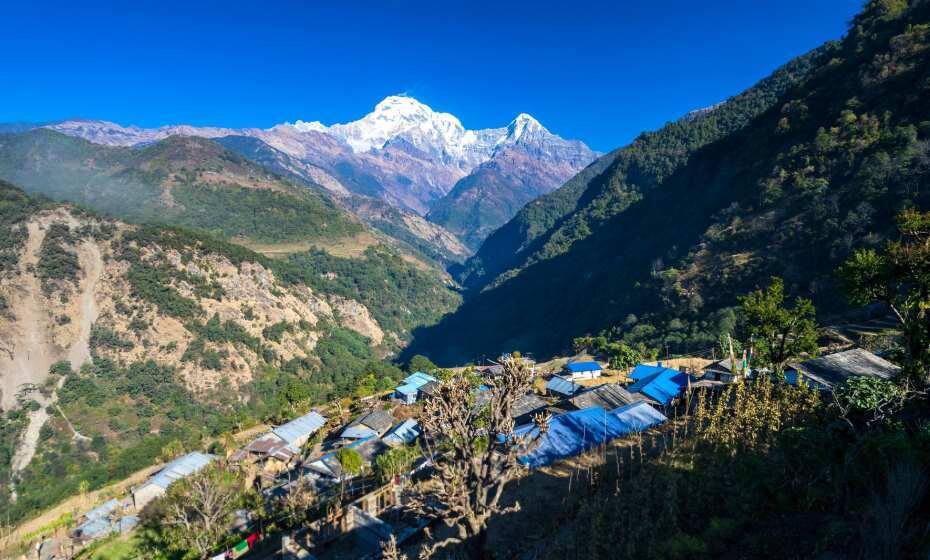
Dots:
{"x": 528, "y": 404}
{"x": 835, "y": 369}
{"x": 403, "y": 433}
{"x": 563, "y": 386}
{"x": 724, "y": 366}
{"x": 431, "y": 388}
{"x": 378, "y": 420}
{"x": 300, "y": 427}
{"x": 180, "y": 468}
{"x": 607, "y": 396}
{"x": 103, "y": 510}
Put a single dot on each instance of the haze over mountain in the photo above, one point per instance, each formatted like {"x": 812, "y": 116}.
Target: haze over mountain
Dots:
{"x": 403, "y": 152}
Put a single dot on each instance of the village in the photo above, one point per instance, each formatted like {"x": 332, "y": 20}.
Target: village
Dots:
{"x": 333, "y": 451}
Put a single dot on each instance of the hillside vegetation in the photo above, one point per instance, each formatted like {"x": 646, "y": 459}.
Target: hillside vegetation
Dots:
{"x": 191, "y": 182}
{"x": 189, "y": 336}
{"x": 787, "y": 178}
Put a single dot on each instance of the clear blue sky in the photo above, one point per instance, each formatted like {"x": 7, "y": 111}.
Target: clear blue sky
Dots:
{"x": 598, "y": 71}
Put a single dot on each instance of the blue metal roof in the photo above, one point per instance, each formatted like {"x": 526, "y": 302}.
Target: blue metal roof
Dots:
{"x": 662, "y": 386}
{"x": 644, "y": 370}
{"x": 573, "y": 433}
{"x": 408, "y": 389}
{"x": 95, "y": 528}
{"x": 103, "y": 510}
{"x": 300, "y": 427}
{"x": 563, "y": 386}
{"x": 418, "y": 379}
{"x": 180, "y": 468}
{"x": 403, "y": 433}
{"x": 579, "y": 367}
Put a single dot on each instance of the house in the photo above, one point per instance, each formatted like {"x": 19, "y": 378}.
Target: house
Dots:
{"x": 269, "y": 449}
{"x": 402, "y": 434}
{"x": 659, "y": 383}
{"x": 562, "y": 387}
{"x": 525, "y": 407}
{"x": 608, "y": 396}
{"x": 429, "y": 390}
{"x": 298, "y": 431}
{"x": 328, "y": 464}
{"x": 409, "y": 390}
{"x": 375, "y": 423}
{"x": 573, "y": 433}
{"x": 178, "y": 469}
{"x": 582, "y": 370}
{"x": 722, "y": 370}
{"x": 832, "y": 370}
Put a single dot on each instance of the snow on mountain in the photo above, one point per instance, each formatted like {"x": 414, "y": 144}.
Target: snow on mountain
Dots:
{"x": 402, "y": 151}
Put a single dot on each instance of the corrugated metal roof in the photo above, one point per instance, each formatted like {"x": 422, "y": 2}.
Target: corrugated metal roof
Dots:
{"x": 103, "y": 510}
{"x": 573, "y": 433}
{"x": 562, "y": 386}
{"x": 300, "y": 427}
{"x": 607, "y": 396}
{"x": 835, "y": 369}
{"x": 418, "y": 379}
{"x": 180, "y": 468}
{"x": 528, "y": 404}
{"x": 94, "y": 529}
{"x": 662, "y": 386}
{"x": 408, "y": 389}
{"x": 403, "y": 433}
{"x": 578, "y": 367}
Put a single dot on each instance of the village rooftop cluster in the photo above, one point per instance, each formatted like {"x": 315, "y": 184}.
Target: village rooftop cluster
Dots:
{"x": 587, "y": 409}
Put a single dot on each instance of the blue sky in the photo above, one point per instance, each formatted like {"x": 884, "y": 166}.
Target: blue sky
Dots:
{"x": 598, "y": 71}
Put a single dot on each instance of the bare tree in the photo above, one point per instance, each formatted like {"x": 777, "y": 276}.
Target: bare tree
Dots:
{"x": 197, "y": 511}
{"x": 297, "y": 502}
{"x": 475, "y": 452}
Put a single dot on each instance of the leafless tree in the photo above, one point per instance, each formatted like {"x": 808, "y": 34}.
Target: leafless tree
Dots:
{"x": 200, "y": 508}
{"x": 475, "y": 452}
{"x": 299, "y": 499}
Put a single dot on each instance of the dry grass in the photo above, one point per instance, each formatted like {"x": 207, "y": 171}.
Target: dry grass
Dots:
{"x": 345, "y": 247}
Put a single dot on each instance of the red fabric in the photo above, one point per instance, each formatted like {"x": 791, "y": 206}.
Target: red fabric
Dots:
{"x": 253, "y": 538}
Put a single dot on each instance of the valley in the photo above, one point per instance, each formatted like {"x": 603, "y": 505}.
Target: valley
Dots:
{"x": 397, "y": 336}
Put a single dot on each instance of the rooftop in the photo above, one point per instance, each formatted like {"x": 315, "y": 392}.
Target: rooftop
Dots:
{"x": 300, "y": 427}
{"x": 834, "y": 369}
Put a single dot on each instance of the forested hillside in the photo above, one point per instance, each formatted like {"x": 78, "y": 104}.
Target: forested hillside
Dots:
{"x": 186, "y": 181}
{"x": 119, "y": 340}
{"x": 788, "y": 178}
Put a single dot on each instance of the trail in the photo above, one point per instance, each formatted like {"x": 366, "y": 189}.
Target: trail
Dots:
{"x": 35, "y": 353}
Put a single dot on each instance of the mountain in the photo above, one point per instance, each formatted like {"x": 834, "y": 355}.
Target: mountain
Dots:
{"x": 185, "y": 181}
{"x": 403, "y": 152}
{"x": 119, "y": 339}
{"x": 529, "y": 161}
{"x": 197, "y": 183}
{"x": 404, "y": 226}
{"x": 657, "y": 239}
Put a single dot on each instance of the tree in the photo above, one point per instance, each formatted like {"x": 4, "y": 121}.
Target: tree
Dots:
{"x": 476, "y": 453}
{"x": 623, "y": 356}
{"x": 421, "y": 363}
{"x": 350, "y": 460}
{"x": 778, "y": 333}
{"x": 296, "y": 503}
{"x": 171, "y": 450}
{"x": 195, "y": 513}
{"x": 899, "y": 277}
{"x": 396, "y": 461}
